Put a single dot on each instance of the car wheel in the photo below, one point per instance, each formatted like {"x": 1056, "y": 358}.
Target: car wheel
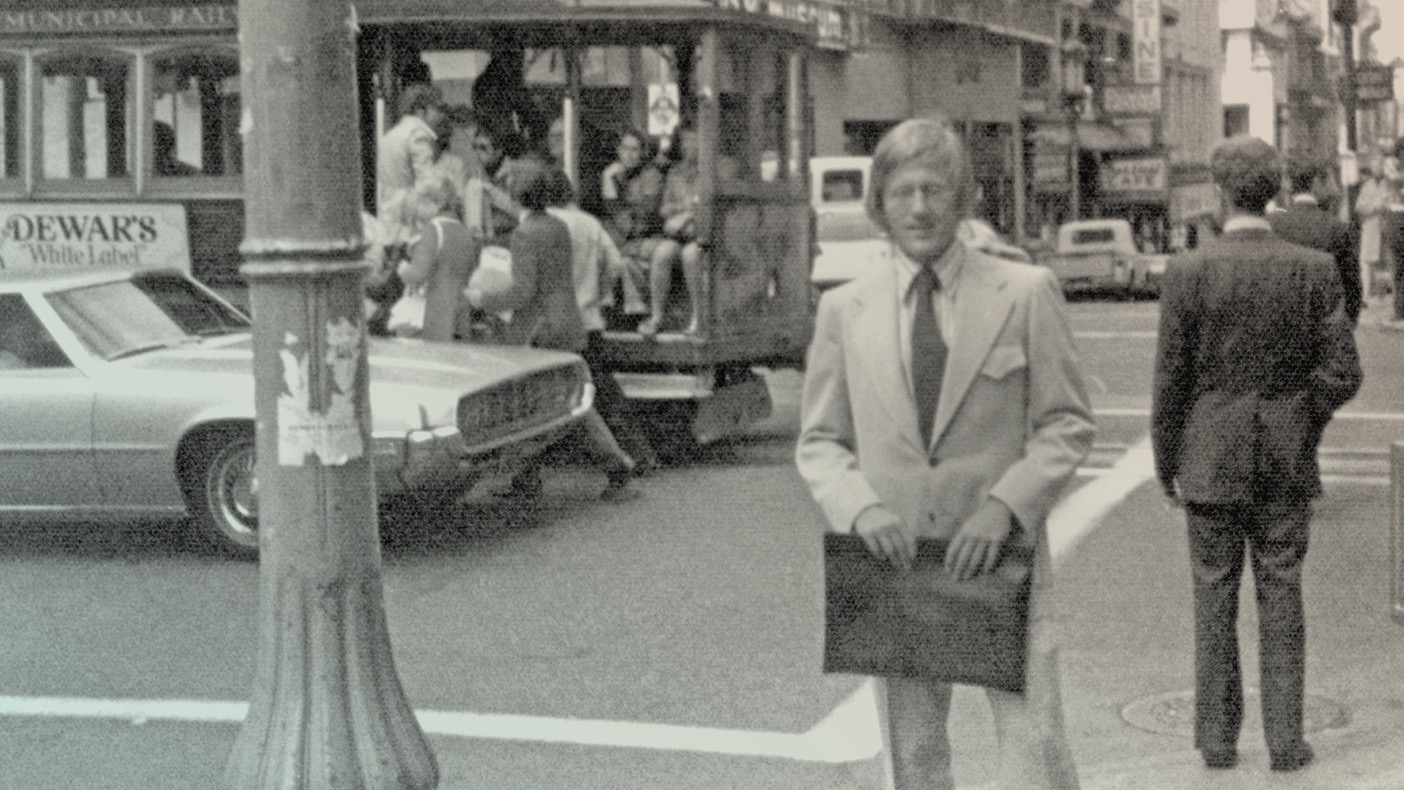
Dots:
{"x": 224, "y": 496}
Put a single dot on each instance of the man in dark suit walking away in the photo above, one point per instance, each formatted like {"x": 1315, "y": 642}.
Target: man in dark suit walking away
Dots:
{"x": 1255, "y": 353}
{"x": 1306, "y": 223}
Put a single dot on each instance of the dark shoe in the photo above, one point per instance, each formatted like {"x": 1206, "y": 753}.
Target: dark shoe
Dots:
{"x": 1293, "y": 759}
{"x": 526, "y": 485}
{"x": 618, "y": 488}
{"x": 1219, "y": 759}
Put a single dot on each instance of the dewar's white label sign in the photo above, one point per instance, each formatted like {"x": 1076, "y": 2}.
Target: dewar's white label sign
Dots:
{"x": 83, "y": 235}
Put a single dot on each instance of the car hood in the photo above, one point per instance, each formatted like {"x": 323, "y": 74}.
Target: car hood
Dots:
{"x": 411, "y": 380}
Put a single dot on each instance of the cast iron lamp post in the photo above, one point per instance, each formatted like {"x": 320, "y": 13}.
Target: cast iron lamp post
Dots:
{"x": 327, "y": 710}
{"x": 1074, "y": 97}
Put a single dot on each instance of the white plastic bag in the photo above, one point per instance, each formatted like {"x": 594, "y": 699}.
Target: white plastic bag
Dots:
{"x": 407, "y": 315}
{"x": 494, "y": 274}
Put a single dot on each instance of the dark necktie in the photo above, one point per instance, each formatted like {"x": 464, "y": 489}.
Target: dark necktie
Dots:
{"x": 928, "y": 351}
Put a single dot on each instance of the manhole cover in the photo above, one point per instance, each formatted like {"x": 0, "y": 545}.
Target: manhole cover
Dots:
{"x": 1173, "y": 713}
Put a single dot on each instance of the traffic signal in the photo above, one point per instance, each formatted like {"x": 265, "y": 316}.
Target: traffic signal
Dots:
{"x": 1345, "y": 12}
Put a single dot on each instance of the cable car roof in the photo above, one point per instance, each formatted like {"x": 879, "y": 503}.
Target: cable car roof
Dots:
{"x": 554, "y": 12}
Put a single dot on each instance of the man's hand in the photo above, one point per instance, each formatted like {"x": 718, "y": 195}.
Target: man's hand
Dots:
{"x": 975, "y": 548}
{"x": 887, "y": 536}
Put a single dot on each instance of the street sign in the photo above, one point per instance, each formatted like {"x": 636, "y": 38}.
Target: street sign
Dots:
{"x": 1374, "y": 83}
{"x": 1131, "y": 99}
{"x": 1148, "y": 174}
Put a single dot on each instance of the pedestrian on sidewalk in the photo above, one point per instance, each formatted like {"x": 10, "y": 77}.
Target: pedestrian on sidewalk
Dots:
{"x": 1306, "y": 223}
{"x": 942, "y": 398}
{"x": 1255, "y": 353}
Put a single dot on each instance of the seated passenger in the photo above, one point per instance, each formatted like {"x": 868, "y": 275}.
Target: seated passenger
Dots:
{"x": 164, "y": 145}
{"x": 632, "y": 191}
{"x": 679, "y": 243}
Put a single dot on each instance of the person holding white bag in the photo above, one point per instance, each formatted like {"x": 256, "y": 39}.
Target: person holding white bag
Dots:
{"x": 542, "y": 298}
{"x": 441, "y": 262}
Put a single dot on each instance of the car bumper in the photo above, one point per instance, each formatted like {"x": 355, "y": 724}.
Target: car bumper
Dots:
{"x": 440, "y": 458}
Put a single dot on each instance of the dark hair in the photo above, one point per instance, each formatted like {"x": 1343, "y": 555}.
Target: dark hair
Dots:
{"x": 1248, "y": 170}
{"x": 504, "y": 138}
{"x": 531, "y": 185}
{"x": 1302, "y": 173}
{"x": 562, "y": 191}
{"x": 419, "y": 96}
{"x": 648, "y": 148}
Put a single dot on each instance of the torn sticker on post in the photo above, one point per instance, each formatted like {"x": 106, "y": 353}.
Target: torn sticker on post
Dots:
{"x": 333, "y": 434}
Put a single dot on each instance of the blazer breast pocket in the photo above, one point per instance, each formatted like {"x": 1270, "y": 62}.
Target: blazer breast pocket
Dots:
{"x": 1003, "y": 360}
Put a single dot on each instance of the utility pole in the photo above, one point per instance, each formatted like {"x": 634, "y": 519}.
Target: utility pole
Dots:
{"x": 327, "y": 710}
{"x": 1346, "y": 13}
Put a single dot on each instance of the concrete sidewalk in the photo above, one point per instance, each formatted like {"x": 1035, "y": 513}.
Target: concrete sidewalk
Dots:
{"x": 1378, "y": 313}
{"x": 1128, "y": 662}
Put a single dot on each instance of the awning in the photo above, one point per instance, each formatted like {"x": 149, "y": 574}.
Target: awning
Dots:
{"x": 1091, "y": 136}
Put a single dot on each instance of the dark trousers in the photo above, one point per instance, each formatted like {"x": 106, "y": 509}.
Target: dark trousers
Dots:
{"x": 612, "y": 407}
{"x": 1275, "y": 534}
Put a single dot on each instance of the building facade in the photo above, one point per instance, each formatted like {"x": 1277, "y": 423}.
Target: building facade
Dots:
{"x": 1069, "y": 106}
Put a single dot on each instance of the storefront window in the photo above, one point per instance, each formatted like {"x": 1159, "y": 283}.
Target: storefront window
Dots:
{"x": 85, "y": 111}
{"x": 195, "y": 114}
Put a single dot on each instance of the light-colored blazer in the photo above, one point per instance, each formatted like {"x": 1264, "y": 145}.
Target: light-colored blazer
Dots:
{"x": 1013, "y": 420}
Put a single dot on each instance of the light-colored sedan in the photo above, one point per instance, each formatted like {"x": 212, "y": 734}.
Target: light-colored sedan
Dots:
{"x": 131, "y": 393}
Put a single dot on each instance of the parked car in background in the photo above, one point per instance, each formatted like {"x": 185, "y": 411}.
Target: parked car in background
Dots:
{"x": 1101, "y": 254}
{"x": 849, "y": 242}
{"x": 131, "y": 393}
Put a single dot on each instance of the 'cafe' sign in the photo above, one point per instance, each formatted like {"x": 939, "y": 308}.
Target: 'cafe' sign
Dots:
{"x": 1150, "y": 174}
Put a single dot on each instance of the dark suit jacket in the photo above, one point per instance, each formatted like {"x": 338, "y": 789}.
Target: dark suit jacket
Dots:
{"x": 1254, "y": 355}
{"x": 1309, "y": 225}
{"x": 542, "y": 294}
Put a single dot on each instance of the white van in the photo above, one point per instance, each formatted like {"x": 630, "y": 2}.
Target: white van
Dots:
{"x": 848, "y": 241}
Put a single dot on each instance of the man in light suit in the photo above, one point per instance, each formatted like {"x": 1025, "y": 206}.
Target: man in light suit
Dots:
{"x": 942, "y": 398}
{"x": 1255, "y": 353}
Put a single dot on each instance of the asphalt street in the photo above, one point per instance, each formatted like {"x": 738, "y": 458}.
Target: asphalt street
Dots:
{"x": 673, "y": 641}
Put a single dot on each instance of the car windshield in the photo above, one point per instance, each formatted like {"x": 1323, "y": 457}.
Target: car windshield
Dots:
{"x": 152, "y": 310}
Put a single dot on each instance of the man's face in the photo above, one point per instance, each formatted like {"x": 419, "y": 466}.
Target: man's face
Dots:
{"x": 434, "y": 116}
{"x": 487, "y": 152}
{"x": 921, "y": 209}
{"x": 630, "y": 151}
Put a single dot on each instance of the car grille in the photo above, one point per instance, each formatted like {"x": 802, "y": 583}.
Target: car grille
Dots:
{"x": 520, "y": 406}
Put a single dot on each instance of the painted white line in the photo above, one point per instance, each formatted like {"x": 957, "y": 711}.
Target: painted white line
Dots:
{"x": 1386, "y": 416}
{"x": 1362, "y": 480}
{"x": 848, "y": 733}
{"x": 1078, "y": 513}
{"x": 1106, "y": 335}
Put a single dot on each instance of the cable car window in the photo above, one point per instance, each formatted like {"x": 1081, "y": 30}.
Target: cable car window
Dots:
{"x": 752, "y": 81}
{"x": 195, "y": 114}
{"x": 9, "y": 117}
{"x": 85, "y": 106}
